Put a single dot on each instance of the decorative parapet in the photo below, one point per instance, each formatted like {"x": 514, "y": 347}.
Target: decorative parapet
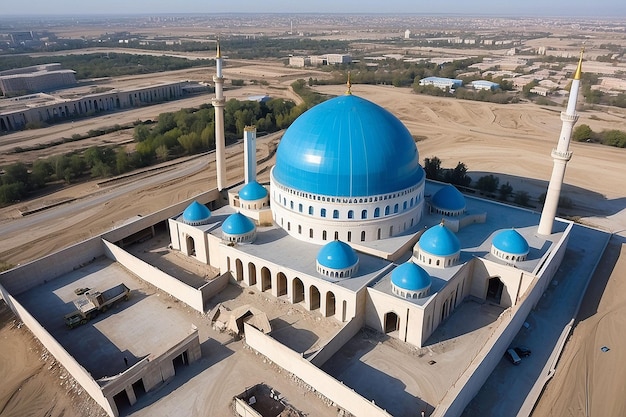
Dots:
{"x": 566, "y": 156}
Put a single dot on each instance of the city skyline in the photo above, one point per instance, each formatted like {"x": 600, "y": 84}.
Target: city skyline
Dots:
{"x": 579, "y": 8}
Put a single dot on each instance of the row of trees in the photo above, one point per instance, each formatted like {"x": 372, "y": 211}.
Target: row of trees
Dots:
{"x": 614, "y": 137}
{"x": 107, "y": 64}
{"x": 488, "y": 184}
{"x": 184, "y": 132}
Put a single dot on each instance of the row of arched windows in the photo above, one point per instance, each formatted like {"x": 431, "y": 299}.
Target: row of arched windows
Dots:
{"x": 346, "y": 200}
{"x": 437, "y": 261}
{"x": 350, "y": 214}
{"x": 348, "y": 236}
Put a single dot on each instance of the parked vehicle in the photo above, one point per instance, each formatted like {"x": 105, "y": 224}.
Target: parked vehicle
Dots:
{"x": 522, "y": 351}
{"x": 512, "y": 356}
{"x": 91, "y": 303}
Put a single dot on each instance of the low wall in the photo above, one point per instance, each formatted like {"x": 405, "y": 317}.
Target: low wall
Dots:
{"x": 244, "y": 410}
{"x": 40, "y": 271}
{"x": 473, "y": 378}
{"x": 347, "y": 332}
{"x": 189, "y": 295}
{"x": 79, "y": 373}
{"x": 311, "y": 375}
{"x": 215, "y": 286}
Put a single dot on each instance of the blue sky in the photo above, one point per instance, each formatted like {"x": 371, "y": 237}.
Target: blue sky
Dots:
{"x": 589, "y": 8}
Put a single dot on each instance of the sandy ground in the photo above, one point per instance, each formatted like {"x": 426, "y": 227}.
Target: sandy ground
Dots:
{"x": 512, "y": 141}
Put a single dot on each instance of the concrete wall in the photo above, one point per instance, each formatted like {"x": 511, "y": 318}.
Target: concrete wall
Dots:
{"x": 343, "y": 335}
{"x": 473, "y": 378}
{"x": 79, "y": 373}
{"x": 311, "y": 375}
{"x": 244, "y": 410}
{"x": 189, "y": 295}
{"x": 215, "y": 286}
{"x": 32, "y": 274}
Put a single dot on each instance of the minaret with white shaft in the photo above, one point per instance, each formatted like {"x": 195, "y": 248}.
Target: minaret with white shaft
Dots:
{"x": 218, "y": 103}
{"x": 249, "y": 153}
{"x": 561, "y": 155}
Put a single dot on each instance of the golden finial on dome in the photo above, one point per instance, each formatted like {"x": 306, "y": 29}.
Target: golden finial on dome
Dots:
{"x": 349, "y": 85}
{"x": 579, "y": 69}
{"x": 219, "y": 52}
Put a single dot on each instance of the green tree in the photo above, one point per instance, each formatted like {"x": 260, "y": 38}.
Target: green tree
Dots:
{"x": 40, "y": 173}
{"x": 432, "y": 167}
{"x": 614, "y": 138}
{"x": 582, "y": 133}
{"x": 122, "y": 161}
{"x": 488, "y": 183}
{"x": 522, "y": 198}
{"x": 458, "y": 175}
{"x": 162, "y": 153}
{"x": 505, "y": 191}
{"x": 16, "y": 173}
{"x": 141, "y": 133}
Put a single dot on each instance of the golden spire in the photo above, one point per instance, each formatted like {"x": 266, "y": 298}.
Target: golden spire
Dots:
{"x": 579, "y": 69}
{"x": 349, "y": 85}
{"x": 219, "y": 52}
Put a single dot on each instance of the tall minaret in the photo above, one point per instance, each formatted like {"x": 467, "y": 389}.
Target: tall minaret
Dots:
{"x": 249, "y": 153}
{"x": 218, "y": 103}
{"x": 561, "y": 155}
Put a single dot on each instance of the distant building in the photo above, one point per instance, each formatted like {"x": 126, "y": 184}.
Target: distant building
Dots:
{"x": 484, "y": 85}
{"x": 542, "y": 91}
{"x": 35, "y": 79}
{"x": 299, "y": 61}
{"x": 442, "y": 83}
{"x": 338, "y": 59}
{"x": 407, "y": 34}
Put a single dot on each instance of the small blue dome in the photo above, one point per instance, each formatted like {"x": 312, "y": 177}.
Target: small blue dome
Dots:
{"x": 448, "y": 198}
{"x": 439, "y": 241}
{"x": 237, "y": 224}
{"x": 252, "y": 191}
{"x": 510, "y": 241}
{"x": 410, "y": 277}
{"x": 337, "y": 255}
{"x": 196, "y": 214}
{"x": 347, "y": 147}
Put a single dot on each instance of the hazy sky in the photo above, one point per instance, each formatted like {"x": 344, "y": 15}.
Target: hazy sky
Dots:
{"x": 589, "y": 8}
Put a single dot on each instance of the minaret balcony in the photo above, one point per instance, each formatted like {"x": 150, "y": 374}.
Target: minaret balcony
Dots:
{"x": 563, "y": 155}
{"x": 217, "y": 79}
{"x": 571, "y": 118}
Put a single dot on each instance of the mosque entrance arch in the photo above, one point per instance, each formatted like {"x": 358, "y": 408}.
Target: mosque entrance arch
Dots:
{"x": 330, "y": 304}
{"x": 266, "y": 279}
{"x": 297, "y": 293}
{"x": 314, "y": 298}
{"x": 238, "y": 270}
{"x": 191, "y": 246}
{"x": 392, "y": 322}
{"x": 281, "y": 283}
{"x": 494, "y": 290}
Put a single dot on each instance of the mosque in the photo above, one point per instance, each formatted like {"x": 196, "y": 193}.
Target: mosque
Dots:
{"x": 349, "y": 228}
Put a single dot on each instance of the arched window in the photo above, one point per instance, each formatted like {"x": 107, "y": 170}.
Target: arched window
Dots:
{"x": 377, "y": 212}
{"x": 363, "y": 236}
{"x": 378, "y": 234}
{"x": 323, "y": 212}
{"x": 336, "y": 235}
{"x": 364, "y": 214}
{"x": 291, "y": 205}
{"x": 310, "y": 210}
{"x": 351, "y": 214}
{"x": 387, "y": 211}
{"x": 324, "y": 235}
{"x": 299, "y": 229}
{"x": 404, "y": 206}
{"x": 335, "y": 214}
{"x": 300, "y": 207}
{"x": 395, "y": 208}
{"x": 311, "y": 233}
{"x": 349, "y": 236}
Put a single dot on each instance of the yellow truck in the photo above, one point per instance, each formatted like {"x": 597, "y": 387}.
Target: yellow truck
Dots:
{"x": 91, "y": 303}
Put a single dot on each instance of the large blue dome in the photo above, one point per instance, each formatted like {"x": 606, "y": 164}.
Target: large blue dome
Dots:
{"x": 510, "y": 241}
{"x": 337, "y": 255}
{"x": 252, "y": 191}
{"x": 439, "y": 241}
{"x": 237, "y": 224}
{"x": 410, "y": 277}
{"x": 196, "y": 214}
{"x": 347, "y": 147}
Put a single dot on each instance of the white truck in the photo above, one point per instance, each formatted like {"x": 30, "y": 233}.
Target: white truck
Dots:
{"x": 91, "y": 303}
